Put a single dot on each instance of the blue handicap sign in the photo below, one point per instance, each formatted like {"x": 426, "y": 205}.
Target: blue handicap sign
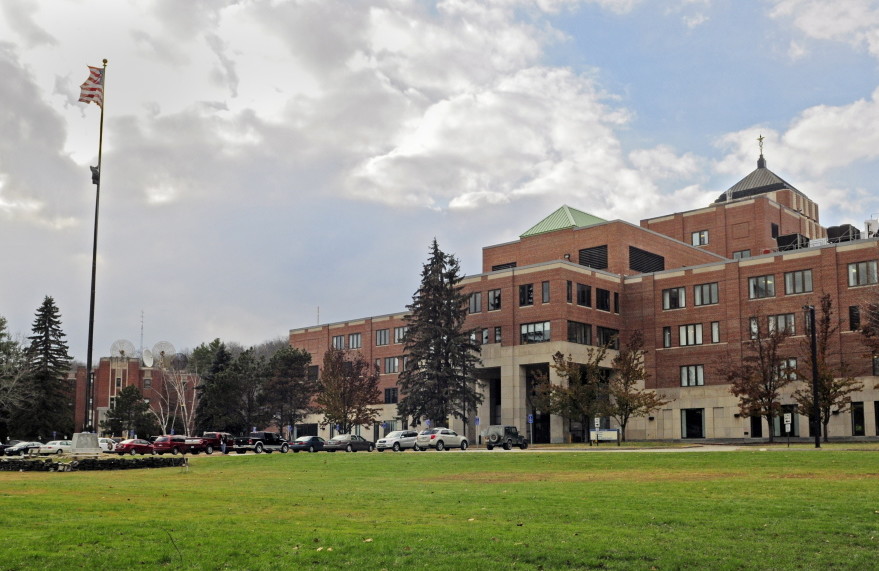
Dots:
{"x": 530, "y": 419}
{"x": 477, "y": 421}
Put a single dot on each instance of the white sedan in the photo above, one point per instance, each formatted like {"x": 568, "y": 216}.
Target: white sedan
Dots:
{"x": 56, "y": 447}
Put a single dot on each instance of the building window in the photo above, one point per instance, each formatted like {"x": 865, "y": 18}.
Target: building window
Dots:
{"x": 854, "y": 317}
{"x": 699, "y": 238}
{"x": 616, "y": 302}
{"x": 526, "y": 295}
{"x": 476, "y": 302}
{"x": 798, "y": 282}
{"x": 783, "y": 322}
{"x": 876, "y": 373}
{"x": 497, "y": 334}
{"x": 705, "y": 294}
{"x": 690, "y": 334}
{"x": 485, "y": 336}
{"x": 674, "y": 298}
{"x": 544, "y": 290}
{"x": 338, "y": 341}
{"x": 692, "y": 375}
{"x": 378, "y": 366}
{"x": 381, "y": 337}
{"x": 494, "y": 299}
{"x": 715, "y": 332}
{"x": 391, "y": 395}
{"x": 579, "y": 333}
{"x": 741, "y": 254}
{"x": 666, "y": 337}
{"x": 862, "y": 273}
{"x": 147, "y": 383}
{"x": 399, "y": 334}
{"x": 609, "y": 337}
{"x": 584, "y": 295}
{"x": 773, "y": 230}
{"x": 391, "y": 365}
{"x": 354, "y": 341}
{"x": 535, "y": 332}
{"x": 602, "y": 299}
{"x": 754, "y": 327}
{"x": 787, "y": 369}
{"x": 569, "y": 291}
{"x": 858, "y": 428}
{"x": 761, "y": 286}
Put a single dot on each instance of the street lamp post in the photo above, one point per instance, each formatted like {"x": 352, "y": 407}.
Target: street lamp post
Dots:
{"x": 816, "y": 409}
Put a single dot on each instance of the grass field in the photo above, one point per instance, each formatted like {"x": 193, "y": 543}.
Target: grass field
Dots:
{"x": 750, "y": 509}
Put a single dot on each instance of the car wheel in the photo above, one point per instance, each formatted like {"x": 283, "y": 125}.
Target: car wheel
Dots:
{"x": 174, "y": 451}
{"x": 370, "y": 448}
{"x": 349, "y": 449}
{"x": 524, "y": 445}
{"x": 508, "y": 445}
{"x": 415, "y": 448}
{"x": 284, "y": 448}
{"x": 311, "y": 449}
{"x": 209, "y": 450}
{"x": 153, "y": 452}
{"x": 59, "y": 451}
{"x": 489, "y": 447}
{"x": 258, "y": 448}
{"x": 132, "y": 452}
{"x": 463, "y": 445}
{"x": 440, "y": 446}
{"x": 396, "y": 446}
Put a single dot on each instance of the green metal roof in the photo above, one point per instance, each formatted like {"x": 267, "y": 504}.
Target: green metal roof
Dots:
{"x": 563, "y": 218}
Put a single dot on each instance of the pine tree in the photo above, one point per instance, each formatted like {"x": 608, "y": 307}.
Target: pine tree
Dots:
{"x": 50, "y": 408}
{"x": 128, "y": 414}
{"x": 439, "y": 379}
{"x": 289, "y": 390}
{"x": 217, "y": 399}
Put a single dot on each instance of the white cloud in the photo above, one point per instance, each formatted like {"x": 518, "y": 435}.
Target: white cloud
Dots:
{"x": 855, "y": 22}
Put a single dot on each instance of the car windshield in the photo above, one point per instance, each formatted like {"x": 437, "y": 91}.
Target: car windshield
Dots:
{"x": 303, "y": 439}
{"x": 162, "y": 439}
{"x": 395, "y": 434}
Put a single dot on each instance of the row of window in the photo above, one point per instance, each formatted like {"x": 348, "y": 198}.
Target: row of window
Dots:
{"x": 605, "y": 300}
{"x": 690, "y": 334}
{"x": 694, "y": 375}
{"x": 703, "y": 294}
{"x": 355, "y": 340}
{"x": 580, "y": 333}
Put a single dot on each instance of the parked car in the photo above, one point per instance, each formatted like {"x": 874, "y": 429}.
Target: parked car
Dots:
{"x": 221, "y": 441}
{"x": 178, "y": 444}
{"x": 261, "y": 441}
{"x": 134, "y": 446}
{"x": 348, "y": 443}
{"x": 107, "y": 444}
{"x": 23, "y": 448}
{"x": 506, "y": 436}
{"x": 10, "y": 444}
{"x": 56, "y": 447}
{"x": 441, "y": 439}
{"x": 310, "y": 443}
{"x": 397, "y": 440}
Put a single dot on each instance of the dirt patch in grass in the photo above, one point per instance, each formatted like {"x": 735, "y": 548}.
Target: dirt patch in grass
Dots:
{"x": 602, "y": 476}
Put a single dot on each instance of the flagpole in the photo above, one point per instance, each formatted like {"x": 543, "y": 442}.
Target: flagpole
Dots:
{"x": 90, "y": 376}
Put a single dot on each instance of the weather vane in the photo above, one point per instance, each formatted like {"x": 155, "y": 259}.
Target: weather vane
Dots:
{"x": 760, "y": 142}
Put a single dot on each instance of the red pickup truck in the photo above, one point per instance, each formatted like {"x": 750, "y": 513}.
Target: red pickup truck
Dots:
{"x": 178, "y": 444}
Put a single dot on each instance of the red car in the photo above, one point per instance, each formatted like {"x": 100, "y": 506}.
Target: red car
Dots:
{"x": 134, "y": 446}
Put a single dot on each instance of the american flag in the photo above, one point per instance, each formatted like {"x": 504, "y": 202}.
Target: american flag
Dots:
{"x": 93, "y": 88}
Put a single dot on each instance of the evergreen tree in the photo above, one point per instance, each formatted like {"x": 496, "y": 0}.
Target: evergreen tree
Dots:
{"x": 218, "y": 393}
{"x": 130, "y": 413}
{"x": 289, "y": 390}
{"x": 439, "y": 378}
{"x": 50, "y": 406}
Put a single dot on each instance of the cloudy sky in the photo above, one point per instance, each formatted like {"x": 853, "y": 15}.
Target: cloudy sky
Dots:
{"x": 271, "y": 164}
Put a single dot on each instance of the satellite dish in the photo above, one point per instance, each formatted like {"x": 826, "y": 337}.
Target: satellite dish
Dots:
{"x": 147, "y": 358}
{"x": 179, "y": 361}
{"x": 162, "y": 353}
{"x": 122, "y": 348}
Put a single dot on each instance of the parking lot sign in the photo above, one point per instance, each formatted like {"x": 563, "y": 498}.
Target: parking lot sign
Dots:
{"x": 530, "y": 419}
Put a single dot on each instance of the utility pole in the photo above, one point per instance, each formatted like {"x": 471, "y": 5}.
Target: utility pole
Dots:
{"x": 816, "y": 408}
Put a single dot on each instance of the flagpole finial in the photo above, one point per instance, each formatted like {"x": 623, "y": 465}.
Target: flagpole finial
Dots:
{"x": 105, "y": 61}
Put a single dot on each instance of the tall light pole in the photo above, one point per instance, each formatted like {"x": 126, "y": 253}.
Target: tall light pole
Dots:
{"x": 816, "y": 409}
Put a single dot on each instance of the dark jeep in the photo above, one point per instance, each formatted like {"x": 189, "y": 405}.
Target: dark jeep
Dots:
{"x": 506, "y": 436}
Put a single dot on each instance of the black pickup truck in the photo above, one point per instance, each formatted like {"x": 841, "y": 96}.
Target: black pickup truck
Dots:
{"x": 259, "y": 442}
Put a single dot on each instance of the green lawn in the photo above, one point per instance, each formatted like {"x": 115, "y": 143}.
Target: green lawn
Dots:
{"x": 750, "y": 509}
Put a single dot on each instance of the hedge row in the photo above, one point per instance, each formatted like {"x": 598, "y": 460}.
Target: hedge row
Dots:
{"x": 91, "y": 464}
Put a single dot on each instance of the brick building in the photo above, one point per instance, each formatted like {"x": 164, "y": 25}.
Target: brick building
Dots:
{"x": 692, "y": 281}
